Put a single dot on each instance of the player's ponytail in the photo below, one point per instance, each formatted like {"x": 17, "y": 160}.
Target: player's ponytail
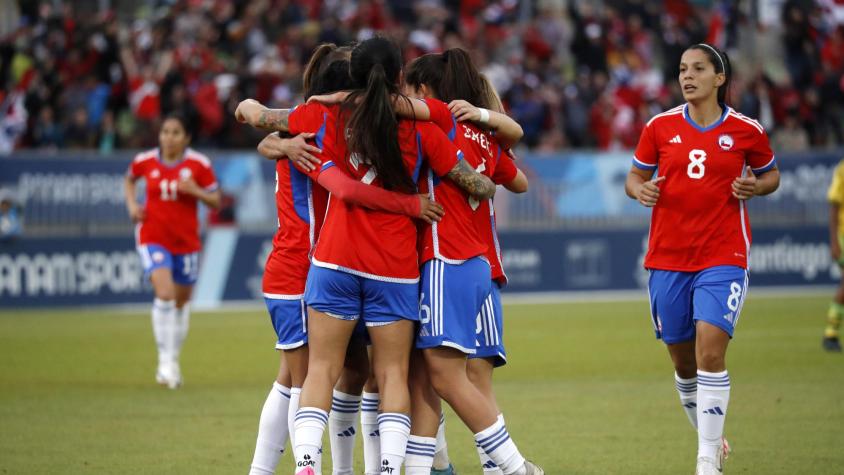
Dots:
{"x": 721, "y": 62}
{"x": 316, "y": 71}
{"x": 372, "y": 126}
{"x": 450, "y": 76}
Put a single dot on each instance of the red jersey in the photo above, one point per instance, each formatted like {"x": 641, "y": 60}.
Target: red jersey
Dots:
{"x": 171, "y": 216}
{"x": 504, "y": 172}
{"x": 375, "y": 244}
{"x": 697, "y": 222}
{"x": 455, "y": 238}
{"x": 300, "y": 204}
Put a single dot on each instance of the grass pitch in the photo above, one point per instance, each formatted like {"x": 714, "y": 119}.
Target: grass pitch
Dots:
{"x": 588, "y": 391}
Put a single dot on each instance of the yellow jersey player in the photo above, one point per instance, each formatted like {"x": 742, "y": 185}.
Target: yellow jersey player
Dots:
{"x": 836, "y": 242}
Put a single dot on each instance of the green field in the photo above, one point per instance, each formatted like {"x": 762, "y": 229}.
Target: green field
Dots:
{"x": 588, "y": 391}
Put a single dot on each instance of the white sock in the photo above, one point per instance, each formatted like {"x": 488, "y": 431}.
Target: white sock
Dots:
{"x": 687, "y": 389}
{"x": 295, "y": 394}
{"x": 713, "y": 397}
{"x": 342, "y": 423}
{"x": 181, "y": 325}
{"x": 420, "y": 455}
{"x": 370, "y": 434}
{"x": 489, "y": 467}
{"x": 272, "y": 431}
{"x": 395, "y": 429}
{"x": 309, "y": 428}
{"x": 496, "y": 442}
{"x": 163, "y": 327}
{"x": 441, "y": 459}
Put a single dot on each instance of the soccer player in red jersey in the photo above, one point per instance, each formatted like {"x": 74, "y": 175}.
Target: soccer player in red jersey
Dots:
{"x": 301, "y": 208}
{"x": 710, "y": 160}
{"x": 447, "y": 254}
{"x": 167, "y": 234}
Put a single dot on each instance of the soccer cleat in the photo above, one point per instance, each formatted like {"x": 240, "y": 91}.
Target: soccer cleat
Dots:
{"x": 175, "y": 380}
{"x": 832, "y": 344}
{"x": 446, "y": 471}
{"x": 707, "y": 466}
{"x": 169, "y": 375}
{"x": 533, "y": 469}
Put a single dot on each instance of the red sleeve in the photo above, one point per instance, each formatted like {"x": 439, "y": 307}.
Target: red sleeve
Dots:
{"x": 442, "y": 117}
{"x": 760, "y": 157}
{"x": 136, "y": 169}
{"x": 373, "y": 197}
{"x": 505, "y": 169}
{"x": 205, "y": 178}
{"x": 316, "y": 173}
{"x": 646, "y": 155}
{"x": 442, "y": 155}
{"x": 306, "y": 118}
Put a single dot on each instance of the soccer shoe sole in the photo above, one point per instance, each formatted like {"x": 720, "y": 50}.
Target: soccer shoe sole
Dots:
{"x": 832, "y": 345}
{"x": 446, "y": 471}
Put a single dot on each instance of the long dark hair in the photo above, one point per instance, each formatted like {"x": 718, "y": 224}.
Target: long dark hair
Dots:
{"x": 374, "y": 68}
{"x": 183, "y": 121}
{"x": 327, "y": 70}
{"x": 450, "y": 75}
{"x": 721, "y": 62}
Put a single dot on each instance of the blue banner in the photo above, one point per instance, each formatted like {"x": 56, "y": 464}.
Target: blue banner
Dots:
{"x": 572, "y": 261}
{"x": 81, "y": 195}
{"x": 59, "y": 272}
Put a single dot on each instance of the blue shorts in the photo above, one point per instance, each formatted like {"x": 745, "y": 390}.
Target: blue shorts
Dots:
{"x": 290, "y": 321}
{"x": 679, "y": 299}
{"x": 490, "y": 328}
{"x": 184, "y": 267}
{"x": 351, "y": 297}
{"x": 452, "y": 297}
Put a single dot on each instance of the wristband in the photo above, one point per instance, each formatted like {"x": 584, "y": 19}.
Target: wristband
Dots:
{"x": 484, "y": 116}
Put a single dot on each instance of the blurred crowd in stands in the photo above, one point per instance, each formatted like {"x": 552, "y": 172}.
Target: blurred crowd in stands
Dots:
{"x": 574, "y": 73}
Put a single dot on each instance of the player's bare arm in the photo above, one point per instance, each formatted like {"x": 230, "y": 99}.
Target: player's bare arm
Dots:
{"x": 471, "y": 181}
{"x": 508, "y": 131}
{"x": 518, "y": 184}
{"x": 296, "y": 149}
{"x": 257, "y": 115}
{"x": 750, "y": 185}
{"x": 641, "y": 187}
{"x": 136, "y": 211}
{"x": 211, "y": 199}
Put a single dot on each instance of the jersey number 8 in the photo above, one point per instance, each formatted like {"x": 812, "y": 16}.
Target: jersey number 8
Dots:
{"x": 696, "y": 168}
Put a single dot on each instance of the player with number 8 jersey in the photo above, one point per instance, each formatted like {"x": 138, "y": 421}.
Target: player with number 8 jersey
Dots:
{"x": 709, "y": 159}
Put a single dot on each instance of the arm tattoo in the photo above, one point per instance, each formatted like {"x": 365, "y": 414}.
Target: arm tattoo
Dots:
{"x": 274, "y": 119}
{"x": 471, "y": 181}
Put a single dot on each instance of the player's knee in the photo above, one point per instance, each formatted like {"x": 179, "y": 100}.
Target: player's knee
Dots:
{"x": 444, "y": 383}
{"x": 326, "y": 372}
{"x": 686, "y": 369}
{"x": 353, "y": 379}
{"x": 711, "y": 361}
{"x": 165, "y": 293}
{"x": 475, "y": 375}
{"x": 391, "y": 374}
